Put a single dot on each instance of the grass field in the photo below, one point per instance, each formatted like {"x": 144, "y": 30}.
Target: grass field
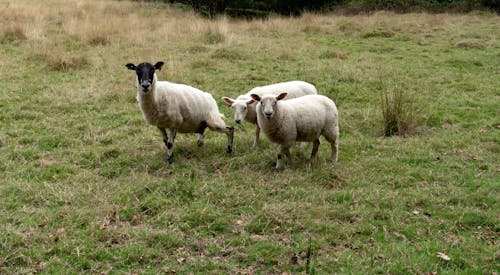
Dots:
{"x": 84, "y": 187}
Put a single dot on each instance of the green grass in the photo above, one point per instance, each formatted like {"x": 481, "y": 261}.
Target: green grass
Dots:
{"x": 84, "y": 186}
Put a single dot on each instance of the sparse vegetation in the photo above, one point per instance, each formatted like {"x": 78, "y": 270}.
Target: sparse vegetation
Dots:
{"x": 84, "y": 186}
{"x": 398, "y": 111}
{"x": 471, "y": 44}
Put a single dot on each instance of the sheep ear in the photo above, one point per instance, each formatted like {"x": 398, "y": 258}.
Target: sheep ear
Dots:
{"x": 159, "y": 64}
{"x": 255, "y": 97}
{"x": 281, "y": 96}
{"x": 130, "y": 66}
{"x": 251, "y": 101}
{"x": 228, "y": 100}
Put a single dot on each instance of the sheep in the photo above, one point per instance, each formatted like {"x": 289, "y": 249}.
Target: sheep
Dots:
{"x": 244, "y": 108}
{"x": 304, "y": 118}
{"x": 177, "y": 107}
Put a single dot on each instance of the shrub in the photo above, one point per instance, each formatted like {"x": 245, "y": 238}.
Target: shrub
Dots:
{"x": 398, "y": 112}
{"x": 259, "y": 9}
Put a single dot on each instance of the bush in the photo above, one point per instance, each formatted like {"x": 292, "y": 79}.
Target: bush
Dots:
{"x": 255, "y": 8}
{"x": 398, "y": 112}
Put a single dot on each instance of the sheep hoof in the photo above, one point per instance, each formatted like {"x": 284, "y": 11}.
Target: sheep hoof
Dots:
{"x": 169, "y": 159}
{"x": 277, "y": 169}
{"x": 200, "y": 143}
{"x": 229, "y": 149}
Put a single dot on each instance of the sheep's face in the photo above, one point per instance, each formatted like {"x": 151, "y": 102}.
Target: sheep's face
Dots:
{"x": 145, "y": 74}
{"x": 268, "y": 104}
{"x": 239, "y": 107}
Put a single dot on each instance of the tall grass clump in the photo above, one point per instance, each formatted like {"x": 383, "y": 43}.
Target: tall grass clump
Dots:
{"x": 217, "y": 31}
{"x": 398, "y": 111}
{"x": 13, "y": 34}
{"x": 59, "y": 60}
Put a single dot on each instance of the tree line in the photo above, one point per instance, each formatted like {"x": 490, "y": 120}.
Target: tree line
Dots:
{"x": 256, "y": 8}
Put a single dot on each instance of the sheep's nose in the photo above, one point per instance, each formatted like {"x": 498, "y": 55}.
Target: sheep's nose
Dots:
{"x": 145, "y": 86}
{"x": 268, "y": 114}
{"x": 238, "y": 121}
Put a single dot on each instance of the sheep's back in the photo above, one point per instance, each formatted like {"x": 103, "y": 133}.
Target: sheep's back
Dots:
{"x": 311, "y": 114}
{"x": 293, "y": 88}
{"x": 187, "y": 105}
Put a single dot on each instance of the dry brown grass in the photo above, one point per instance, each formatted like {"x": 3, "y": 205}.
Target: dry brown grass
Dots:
{"x": 333, "y": 54}
{"x": 471, "y": 44}
{"x": 108, "y": 23}
{"x": 62, "y": 61}
{"x": 398, "y": 111}
{"x": 13, "y": 34}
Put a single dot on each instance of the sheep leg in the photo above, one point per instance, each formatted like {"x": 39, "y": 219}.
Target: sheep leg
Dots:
{"x": 284, "y": 151}
{"x": 230, "y": 137}
{"x": 221, "y": 127}
{"x": 200, "y": 140}
{"x": 256, "y": 140}
{"x": 315, "y": 149}
{"x": 333, "y": 138}
{"x": 165, "y": 136}
{"x": 335, "y": 150}
{"x": 170, "y": 146}
{"x": 201, "y": 131}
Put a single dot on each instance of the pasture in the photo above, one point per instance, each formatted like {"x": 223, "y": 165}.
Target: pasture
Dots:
{"x": 84, "y": 187}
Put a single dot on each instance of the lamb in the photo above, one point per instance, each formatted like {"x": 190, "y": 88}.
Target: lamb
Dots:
{"x": 244, "y": 109}
{"x": 301, "y": 119}
{"x": 177, "y": 107}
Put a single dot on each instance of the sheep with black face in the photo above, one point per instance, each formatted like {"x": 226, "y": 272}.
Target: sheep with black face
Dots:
{"x": 177, "y": 107}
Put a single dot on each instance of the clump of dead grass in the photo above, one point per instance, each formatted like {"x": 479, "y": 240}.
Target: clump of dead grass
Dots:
{"x": 471, "y": 44}
{"x": 349, "y": 27}
{"x": 286, "y": 54}
{"x": 398, "y": 111}
{"x": 19, "y": 24}
{"x": 57, "y": 59}
{"x": 229, "y": 54}
{"x": 13, "y": 33}
{"x": 215, "y": 32}
{"x": 333, "y": 54}
{"x": 212, "y": 37}
{"x": 379, "y": 32}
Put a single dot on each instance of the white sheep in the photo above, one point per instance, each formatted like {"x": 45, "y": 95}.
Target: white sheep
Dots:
{"x": 244, "y": 109}
{"x": 300, "y": 119}
{"x": 177, "y": 107}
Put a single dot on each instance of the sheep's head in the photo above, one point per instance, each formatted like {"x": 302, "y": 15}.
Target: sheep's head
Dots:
{"x": 145, "y": 74}
{"x": 239, "y": 107}
{"x": 268, "y": 103}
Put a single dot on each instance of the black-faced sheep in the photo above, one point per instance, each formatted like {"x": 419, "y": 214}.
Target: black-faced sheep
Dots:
{"x": 177, "y": 107}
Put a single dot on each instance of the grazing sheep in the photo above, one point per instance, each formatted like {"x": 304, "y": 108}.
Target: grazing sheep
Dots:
{"x": 300, "y": 119}
{"x": 177, "y": 107}
{"x": 244, "y": 109}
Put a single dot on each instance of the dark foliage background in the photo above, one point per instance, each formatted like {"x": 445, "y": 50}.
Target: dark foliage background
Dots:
{"x": 256, "y": 8}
